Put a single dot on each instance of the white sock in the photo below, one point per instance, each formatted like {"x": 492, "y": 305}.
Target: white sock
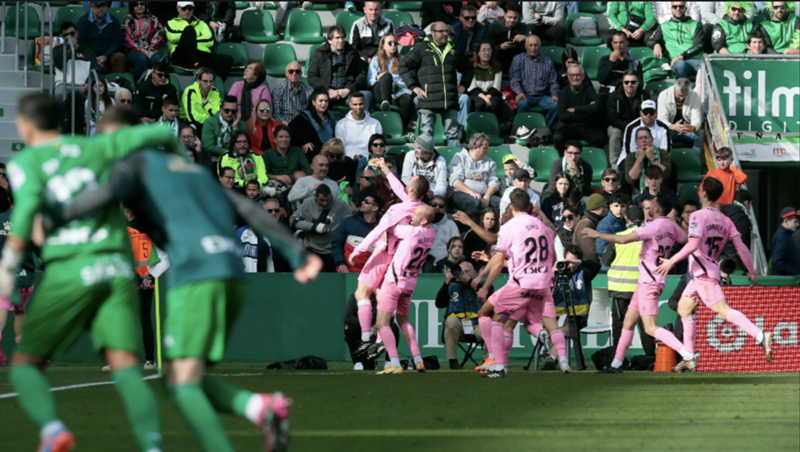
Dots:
{"x": 563, "y": 359}
{"x": 760, "y": 337}
{"x": 686, "y": 355}
{"x": 51, "y": 429}
{"x": 365, "y": 336}
{"x": 395, "y": 362}
{"x": 417, "y": 359}
{"x": 616, "y": 364}
{"x": 252, "y": 410}
{"x": 378, "y": 340}
{"x": 491, "y": 355}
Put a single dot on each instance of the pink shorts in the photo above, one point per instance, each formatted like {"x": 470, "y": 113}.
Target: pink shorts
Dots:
{"x": 645, "y": 299}
{"x": 394, "y": 299}
{"x": 705, "y": 289}
{"x": 519, "y": 303}
{"x": 375, "y": 269}
{"x": 24, "y": 295}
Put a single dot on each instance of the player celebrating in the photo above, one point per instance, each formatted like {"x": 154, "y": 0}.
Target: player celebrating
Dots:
{"x": 415, "y": 241}
{"x": 709, "y": 232}
{"x": 89, "y": 281}
{"x": 528, "y": 245}
{"x": 657, "y": 238}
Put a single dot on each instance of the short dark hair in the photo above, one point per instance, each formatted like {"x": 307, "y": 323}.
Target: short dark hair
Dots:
{"x": 252, "y": 182}
{"x": 513, "y": 6}
{"x": 653, "y": 172}
{"x": 694, "y": 203}
{"x": 618, "y": 33}
{"x": 169, "y": 100}
{"x": 713, "y": 188}
{"x": 435, "y": 197}
{"x": 357, "y": 94}
{"x": 42, "y": 110}
{"x": 203, "y": 71}
{"x": 629, "y": 72}
{"x": 574, "y": 249}
{"x": 421, "y": 185}
{"x": 742, "y": 195}
{"x": 67, "y": 25}
{"x": 281, "y": 128}
{"x": 664, "y": 202}
{"x": 335, "y": 28}
{"x": 646, "y": 129}
{"x": 323, "y": 190}
{"x": 194, "y": 132}
{"x": 376, "y": 197}
{"x": 609, "y": 171}
{"x": 619, "y": 198}
{"x": 468, "y": 7}
{"x": 571, "y": 207}
{"x": 724, "y": 152}
{"x": 520, "y": 200}
{"x": 224, "y": 170}
{"x": 230, "y": 100}
{"x": 162, "y": 66}
{"x": 756, "y": 34}
{"x": 574, "y": 144}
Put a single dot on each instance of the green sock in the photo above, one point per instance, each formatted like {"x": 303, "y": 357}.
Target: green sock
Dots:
{"x": 141, "y": 405}
{"x": 34, "y": 394}
{"x": 198, "y": 414}
{"x": 226, "y": 397}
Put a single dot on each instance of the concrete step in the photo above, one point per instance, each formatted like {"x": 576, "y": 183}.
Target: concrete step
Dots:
{"x": 8, "y": 110}
{"x": 12, "y": 95}
{"x": 8, "y": 62}
{"x": 9, "y": 147}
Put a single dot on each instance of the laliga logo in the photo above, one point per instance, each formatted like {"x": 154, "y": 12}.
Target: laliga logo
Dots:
{"x": 733, "y": 91}
{"x": 727, "y": 338}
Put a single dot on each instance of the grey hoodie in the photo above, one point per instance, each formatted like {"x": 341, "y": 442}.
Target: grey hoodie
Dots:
{"x": 307, "y": 217}
{"x": 477, "y": 175}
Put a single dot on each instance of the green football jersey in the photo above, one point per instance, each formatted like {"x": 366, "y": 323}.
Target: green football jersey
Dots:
{"x": 27, "y": 267}
{"x": 46, "y": 177}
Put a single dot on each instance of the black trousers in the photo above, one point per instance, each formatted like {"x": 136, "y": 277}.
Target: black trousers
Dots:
{"x": 352, "y": 335}
{"x": 618, "y": 316}
{"x": 595, "y": 136}
{"x": 383, "y": 91}
{"x": 148, "y": 336}
{"x": 479, "y": 104}
{"x": 186, "y": 55}
{"x": 328, "y": 264}
{"x": 555, "y": 33}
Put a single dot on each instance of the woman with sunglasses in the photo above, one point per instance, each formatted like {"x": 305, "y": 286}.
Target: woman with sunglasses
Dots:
{"x": 340, "y": 167}
{"x": 387, "y": 86}
{"x": 143, "y": 38}
{"x": 251, "y": 89}
{"x": 261, "y": 127}
{"x": 377, "y": 149}
{"x": 564, "y": 193}
{"x": 487, "y": 80}
{"x": 314, "y": 126}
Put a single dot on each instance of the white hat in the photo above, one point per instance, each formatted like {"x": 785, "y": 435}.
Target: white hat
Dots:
{"x": 648, "y": 104}
{"x": 184, "y": 4}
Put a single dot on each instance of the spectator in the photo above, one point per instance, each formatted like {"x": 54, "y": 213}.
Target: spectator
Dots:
{"x": 579, "y": 170}
{"x": 545, "y": 20}
{"x": 366, "y": 33}
{"x": 377, "y": 149}
{"x": 710, "y": 14}
{"x": 635, "y": 19}
{"x": 387, "y": 85}
{"x": 384, "y": 184}
{"x": 193, "y": 147}
{"x": 623, "y": 106}
{"x": 285, "y": 164}
{"x": 218, "y": 130}
{"x": 682, "y": 38}
{"x": 570, "y": 217}
{"x": 169, "y": 116}
{"x": 95, "y": 107}
{"x": 367, "y": 182}
{"x": 691, "y": 206}
{"x": 445, "y": 230}
{"x": 522, "y": 180}
{"x": 340, "y": 167}
{"x": 509, "y": 36}
{"x": 123, "y": 98}
{"x": 142, "y": 246}
{"x": 201, "y": 100}
{"x": 564, "y": 193}
{"x": 578, "y": 111}
{"x": 353, "y": 230}
{"x": 438, "y": 12}
{"x": 533, "y": 80}
{"x": 610, "y": 181}
{"x": 729, "y": 175}
{"x": 664, "y": 11}
{"x": 612, "y": 223}
{"x": 611, "y": 69}
{"x": 455, "y": 254}
{"x": 653, "y": 183}
{"x": 680, "y": 108}
{"x": 226, "y": 177}
{"x": 318, "y": 218}
{"x": 659, "y": 131}
{"x": 510, "y": 166}
{"x": 469, "y": 31}
{"x": 732, "y": 31}
{"x": 313, "y": 126}
{"x": 435, "y": 82}
{"x": 352, "y": 329}
{"x": 785, "y": 259}
{"x": 479, "y": 237}
{"x": 100, "y": 31}
{"x": 569, "y": 57}
{"x": 305, "y": 187}
{"x": 461, "y": 314}
{"x": 426, "y": 162}
{"x": 245, "y": 163}
{"x": 645, "y": 204}
{"x": 357, "y": 127}
{"x": 259, "y": 256}
{"x": 596, "y": 210}
{"x": 291, "y": 96}
{"x": 794, "y": 46}
{"x": 490, "y": 12}
{"x": 336, "y": 68}
{"x": 473, "y": 178}
{"x": 85, "y": 60}
{"x": 252, "y": 189}
{"x": 190, "y": 40}
{"x": 581, "y": 270}
{"x": 646, "y": 155}
{"x": 251, "y": 89}
{"x": 220, "y": 17}
{"x": 261, "y": 127}
{"x": 151, "y": 92}
{"x": 739, "y": 214}
{"x": 485, "y": 88}
{"x": 756, "y": 43}
{"x": 143, "y": 39}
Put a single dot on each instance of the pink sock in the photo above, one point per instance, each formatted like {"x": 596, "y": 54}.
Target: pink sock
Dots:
{"x": 389, "y": 342}
{"x": 486, "y": 331}
{"x": 411, "y": 339}
{"x": 508, "y": 341}
{"x": 689, "y": 333}
{"x": 534, "y": 329}
{"x": 669, "y": 339}
{"x": 365, "y": 317}
{"x": 557, "y": 337}
{"x": 497, "y": 342}
{"x": 740, "y": 320}
{"x": 624, "y": 344}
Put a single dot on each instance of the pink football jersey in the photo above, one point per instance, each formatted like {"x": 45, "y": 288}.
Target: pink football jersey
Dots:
{"x": 714, "y": 229}
{"x": 658, "y": 238}
{"x": 528, "y": 245}
{"x": 414, "y": 244}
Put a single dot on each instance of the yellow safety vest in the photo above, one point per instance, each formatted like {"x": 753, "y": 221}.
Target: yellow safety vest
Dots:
{"x": 623, "y": 276}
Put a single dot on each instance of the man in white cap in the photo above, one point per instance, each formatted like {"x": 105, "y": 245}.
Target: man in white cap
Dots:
{"x": 190, "y": 40}
{"x": 426, "y": 162}
{"x": 658, "y": 129}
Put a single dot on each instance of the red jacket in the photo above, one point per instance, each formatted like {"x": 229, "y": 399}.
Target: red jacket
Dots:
{"x": 257, "y": 137}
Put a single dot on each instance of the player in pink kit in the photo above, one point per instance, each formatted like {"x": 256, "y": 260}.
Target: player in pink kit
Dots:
{"x": 658, "y": 238}
{"x": 415, "y": 241}
{"x": 709, "y": 231}
{"x": 528, "y": 245}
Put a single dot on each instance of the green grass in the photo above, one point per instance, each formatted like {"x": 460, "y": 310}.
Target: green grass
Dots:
{"x": 342, "y": 410}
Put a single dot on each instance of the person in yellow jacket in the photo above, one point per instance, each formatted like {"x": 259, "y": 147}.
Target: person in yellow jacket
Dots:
{"x": 190, "y": 42}
{"x": 201, "y": 100}
{"x": 245, "y": 163}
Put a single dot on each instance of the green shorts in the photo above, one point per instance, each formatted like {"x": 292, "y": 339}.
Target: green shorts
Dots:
{"x": 96, "y": 293}
{"x": 200, "y": 317}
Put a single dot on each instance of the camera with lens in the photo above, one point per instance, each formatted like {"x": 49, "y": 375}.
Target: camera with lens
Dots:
{"x": 561, "y": 267}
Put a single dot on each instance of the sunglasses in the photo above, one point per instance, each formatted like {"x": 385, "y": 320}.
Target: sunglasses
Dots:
{"x": 569, "y": 217}
{"x": 70, "y": 33}
{"x": 294, "y": 71}
{"x": 379, "y": 145}
{"x": 229, "y": 111}
{"x": 368, "y": 202}
{"x": 138, "y": 4}
{"x": 3, "y": 174}
{"x": 737, "y": 10}
{"x": 631, "y": 82}
{"x": 335, "y": 156}
{"x": 776, "y": 7}
{"x": 187, "y": 8}
{"x": 390, "y": 43}
{"x": 437, "y": 204}
{"x": 648, "y": 112}
{"x": 470, "y": 17}
{"x": 159, "y": 74}
{"x": 611, "y": 179}
{"x": 678, "y": 7}
{"x": 273, "y": 210}
{"x": 265, "y": 110}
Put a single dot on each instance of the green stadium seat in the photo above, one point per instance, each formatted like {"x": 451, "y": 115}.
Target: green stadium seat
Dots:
{"x": 115, "y": 77}
{"x": 175, "y": 81}
{"x": 276, "y": 57}
{"x": 399, "y": 150}
{"x": 219, "y": 84}
{"x": 311, "y": 51}
{"x": 592, "y": 7}
{"x": 345, "y": 19}
{"x": 541, "y": 159}
{"x": 53, "y": 4}
{"x": 258, "y": 27}
{"x": 530, "y": 120}
{"x": 245, "y": 5}
{"x": 32, "y": 66}
{"x": 119, "y": 13}
{"x": 304, "y": 27}
{"x": 690, "y": 168}
{"x": 553, "y": 52}
{"x": 332, "y": 6}
{"x": 688, "y": 192}
{"x": 392, "y": 126}
{"x": 485, "y": 122}
{"x": 69, "y": 13}
{"x": 448, "y": 153}
{"x": 33, "y": 26}
{"x": 406, "y": 6}
{"x": 598, "y": 160}
{"x": 271, "y": 5}
{"x": 399, "y": 17}
{"x": 757, "y": 19}
{"x": 239, "y": 53}
{"x": 641, "y": 53}
{"x": 571, "y": 39}
{"x": 497, "y": 154}
{"x": 657, "y": 86}
{"x": 590, "y": 60}
{"x": 438, "y": 130}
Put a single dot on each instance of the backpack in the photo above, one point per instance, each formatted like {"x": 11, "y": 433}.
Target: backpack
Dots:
{"x": 541, "y": 136}
{"x": 304, "y": 363}
{"x": 584, "y": 28}
{"x": 603, "y": 358}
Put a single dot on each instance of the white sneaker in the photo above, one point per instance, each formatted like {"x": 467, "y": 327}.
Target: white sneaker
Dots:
{"x": 358, "y": 366}
{"x": 564, "y": 365}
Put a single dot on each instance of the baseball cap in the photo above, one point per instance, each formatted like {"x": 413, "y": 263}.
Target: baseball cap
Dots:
{"x": 648, "y": 104}
{"x": 185, "y": 4}
{"x": 425, "y": 143}
{"x": 789, "y": 212}
{"x": 521, "y": 173}
{"x": 595, "y": 201}
{"x": 508, "y": 158}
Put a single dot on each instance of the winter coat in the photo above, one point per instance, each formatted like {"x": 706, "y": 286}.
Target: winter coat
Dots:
{"x": 620, "y": 111}
{"x": 785, "y": 260}
{"x": 257, "y": 138}
{"x": 466, "y": 39}
{"x": 149, "y": 98}
{"x": 104, "y": 41}
{"x": 231, "y": 160}
{"x": 349, "y": 234}
{"x": 583, "y": 101}
{"x": 588, "y": 245}
{"x": 435, "y": 170}
{"x": 211, "y": 138}
{"x": 303, "y": 131}
{"x": 192, "y": 108}
{"x": 142, "y": 34}
{"x": 309, "y": 215}
{"x": 175, "y": 27}
{"x": 435, "y": 73}
{"x": 320, "y": 72}
{"x": 362, "y": 39}
{"x": 608, "y": 225}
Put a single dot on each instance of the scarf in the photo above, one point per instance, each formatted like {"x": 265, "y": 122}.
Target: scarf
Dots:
{"x": 225, "y": 131}
{"x": 247, "y": 101}
{"x": 576, "y": 178}
{"x": 745, "y": 209}
{"x": 642, "y": 184}
{"x": 172, "y": 125}
{"x": 247, "y": 166}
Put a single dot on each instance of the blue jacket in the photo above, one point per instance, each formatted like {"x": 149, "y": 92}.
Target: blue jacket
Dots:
{"x": 785, "y": 260}
{"x": 580, "y": 284}
{"x": 351, "y": 228}
{"x": 460, "y": 300}
{"x": 608, "y": 225}
{"x": 466, "y": 40}
{"x": 105, "y": 39}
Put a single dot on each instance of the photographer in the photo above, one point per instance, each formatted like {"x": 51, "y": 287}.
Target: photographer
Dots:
{"x": 352, "y": 332}
{"x": 461, "y": 316}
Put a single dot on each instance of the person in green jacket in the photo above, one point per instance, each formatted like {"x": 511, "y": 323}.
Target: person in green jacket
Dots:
{"x": 247, "y": 164}
{"x": 219, "y": 129}
{"x": 781, "y": 25}
{"x": 190, "y": 40}
{"x": 201, "y": 100}
{"x": 632, "y": 18}
{"x": 794, "y": 47}
{"x": 681, "y": 40}
{"x": 731, "y": 34}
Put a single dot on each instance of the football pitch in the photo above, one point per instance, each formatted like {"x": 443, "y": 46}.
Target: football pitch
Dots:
{"x": 342, "y": 410}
